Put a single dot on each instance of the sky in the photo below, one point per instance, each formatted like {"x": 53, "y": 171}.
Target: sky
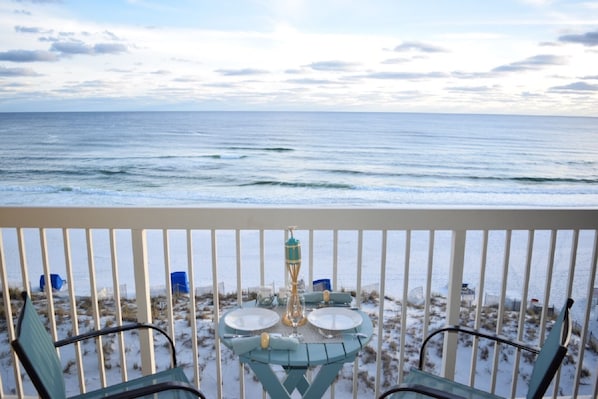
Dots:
{"x": 535, "y": 57}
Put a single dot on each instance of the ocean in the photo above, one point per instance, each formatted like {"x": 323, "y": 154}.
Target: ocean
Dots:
{"x": 319, "y": 159}
{"x": 299, "y": 159}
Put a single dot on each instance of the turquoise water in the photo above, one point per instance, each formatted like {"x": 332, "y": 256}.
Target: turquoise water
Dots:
{"x": 297, "y": 158}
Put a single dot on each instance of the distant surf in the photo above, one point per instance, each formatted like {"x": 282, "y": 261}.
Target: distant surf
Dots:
{"x": 287, "y": 158}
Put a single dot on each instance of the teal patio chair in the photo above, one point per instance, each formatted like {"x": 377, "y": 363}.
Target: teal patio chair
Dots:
{"x": 37, "y": 352}
{"x": 419, "y": 383}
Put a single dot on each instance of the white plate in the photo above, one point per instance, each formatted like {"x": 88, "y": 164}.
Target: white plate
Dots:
{"x": 251, "y": 319}
{"x": 335, "y": 319}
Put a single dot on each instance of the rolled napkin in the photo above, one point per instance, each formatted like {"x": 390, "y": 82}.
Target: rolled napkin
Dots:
{"x": 336, "y": 297}
{"x": 264, "y": 341}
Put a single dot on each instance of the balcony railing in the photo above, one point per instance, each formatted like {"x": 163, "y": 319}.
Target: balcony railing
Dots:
{"x": 413, "y": 269}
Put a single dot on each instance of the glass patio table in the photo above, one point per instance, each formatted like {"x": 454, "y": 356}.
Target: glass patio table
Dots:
{"x": 313, "y": 350}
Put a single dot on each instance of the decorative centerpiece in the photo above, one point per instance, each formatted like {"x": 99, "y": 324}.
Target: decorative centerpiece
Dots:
{"x": 295, "y": 314}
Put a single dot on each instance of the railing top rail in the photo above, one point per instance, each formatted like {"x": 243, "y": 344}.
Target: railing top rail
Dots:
{"x": 306, "y": 218}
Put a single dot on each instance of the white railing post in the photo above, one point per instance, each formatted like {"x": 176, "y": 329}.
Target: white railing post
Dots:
{"x": 453, "y": 305}
{"x": 143, "y": 299}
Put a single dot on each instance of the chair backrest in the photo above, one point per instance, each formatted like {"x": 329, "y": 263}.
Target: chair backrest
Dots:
{"x": 37, "y": 353}
{"x": 552, "y": 353}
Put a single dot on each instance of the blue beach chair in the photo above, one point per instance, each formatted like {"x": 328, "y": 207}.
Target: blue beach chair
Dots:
{"x": 37, "y": 353}
{"x": 421, "y": 384}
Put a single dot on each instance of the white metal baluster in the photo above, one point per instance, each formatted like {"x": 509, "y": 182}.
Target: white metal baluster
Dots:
{"x": 310, "y": 279}
{"x": 117, "y": 308}
{"x": 46, "y": 267}
{"x": 522, "y": 312}
{"x": 95, "y": 305}
{"x": 428, "y": 291}
{"x": 310, "y": 267}
{"x": 9, "y": 325}
{"x": 453, "y": 307}
{"x": 359, "y": 267}
{"x": 66, "y": 240}
{"x": 406, "y": 265}
{"x": 143, "y": 298}
{"x": 572, "y": 261}
{"x": 358, "y": 300}
{"x": 571, "y": 274}
{"x": 168, "y": 282}
{"x": 479, "y": 303}
{"x": 216, "y": 301}
{"x": 23, "y": 258}
{"x": 240, "y": 299}
{"x": 547, "y": 285}
{"x": 501, "y": 309}
{"x": 334, "y": 260}
{"x": 262, "y": 245}
{"x": 381, "y": 311}
{"x": 572, "y": 264}
{"x": 586, "y": 320}
{"x": 192, "y": 306}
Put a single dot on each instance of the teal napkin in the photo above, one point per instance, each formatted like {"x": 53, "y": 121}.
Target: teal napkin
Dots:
{"x": 244, "y": 345}
{"x": 247, "y": 344}
{"x": 283, "y": 343}
{"x": 336, "y": 297}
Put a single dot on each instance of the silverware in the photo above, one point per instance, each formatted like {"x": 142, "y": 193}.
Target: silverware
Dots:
{"x": 336, "y": 305}
{"x": 332, "y": 334}
{"x": 358, "y": 335}
{"x": 236, "y": 335}
{"x": 272, "y": 335}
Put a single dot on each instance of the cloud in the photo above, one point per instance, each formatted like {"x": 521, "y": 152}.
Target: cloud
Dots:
{"x": 392, "y": 61}
{"x": 532, "y": 63}
{"x": 309, "y": 81}
{"x": 16, "y": 72}
{"x": 419, "y": 46}
{"x": 47, "y": 39}
{"x": 184, "y": 79}
{"x": 294, "y": 71}
{"x": 332, "y": 66}
{"x": 473, "y": 89}
{"x": 587, "y": 39}
{"x": 120, "y": 70}
{"x": 241, "y": 72}
{"x": 30, "y": 29}
{"x": 76, "y": 47}
{"x": 27, "y": 56}
{"x": 576, "y": 86}
{"x": 111, "y": 35}
{"x": 71, "y": 48}
{"x": 221, "y": 85}
{"x": 109, "y": 48}
{"x": 471, "y": 75}
{"x": 405, "y": 75}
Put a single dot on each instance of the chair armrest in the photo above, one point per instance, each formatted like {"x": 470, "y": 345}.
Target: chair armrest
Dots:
{"x": 159, "y": 387}
{"x": 421, "y": 389}
{"x": 477, "y": 333}
{"x": 116, "y": 329}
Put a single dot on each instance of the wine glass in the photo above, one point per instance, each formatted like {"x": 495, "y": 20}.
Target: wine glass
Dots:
{"x": 295, "y": 312}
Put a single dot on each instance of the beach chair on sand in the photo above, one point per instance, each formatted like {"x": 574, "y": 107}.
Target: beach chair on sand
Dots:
{"x": 37, "y": 352}
{"x": 547, "y": 363}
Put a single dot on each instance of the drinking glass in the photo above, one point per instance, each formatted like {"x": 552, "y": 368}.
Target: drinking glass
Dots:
{"x": 295, "y": 312}
{"x": 265, "y": 297}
